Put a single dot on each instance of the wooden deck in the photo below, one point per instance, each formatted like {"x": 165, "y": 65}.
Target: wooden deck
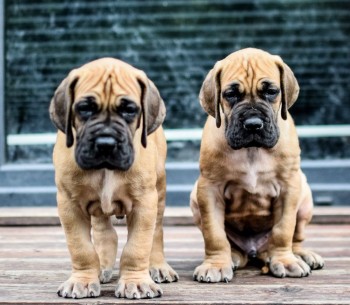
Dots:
{"x": 34, "y": 260}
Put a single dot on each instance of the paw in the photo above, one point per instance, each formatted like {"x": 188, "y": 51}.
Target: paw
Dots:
{"x": 288, "y": 265}
{"x": 238, "y": 260}
{"x": 163, "y": 273}
{"x": 314, "y": 260}
{"x": 213, "y": 273}
{"x": 78, "y": 288}
{"x": 137, "y": 289}
{"x": 106, "y": 275}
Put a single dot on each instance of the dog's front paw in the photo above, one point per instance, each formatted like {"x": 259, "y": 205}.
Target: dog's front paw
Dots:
{"x": 137, "y": 288}
{"x": 288, "y": 265}
{"x": 80, "y": 287}
{"x": 163, "y": 273}
{"x": 314, "y": 260}
{"x": 106, "y": 275}
{"x": 213, "y": 273}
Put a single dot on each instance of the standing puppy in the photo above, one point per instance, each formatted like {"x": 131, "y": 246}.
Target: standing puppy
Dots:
{"x": 251, "y": 198}
{"x": 109, "y": 160}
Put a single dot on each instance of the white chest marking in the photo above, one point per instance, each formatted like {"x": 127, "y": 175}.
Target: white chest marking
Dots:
{"x": 107, "y": 192}
{"x": 255, "y": 171}
{"x": 250, "y": 179}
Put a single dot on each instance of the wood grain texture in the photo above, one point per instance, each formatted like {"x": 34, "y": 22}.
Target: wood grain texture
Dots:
{"x": 34, "y": 261}
{"x": 174, "y": 216}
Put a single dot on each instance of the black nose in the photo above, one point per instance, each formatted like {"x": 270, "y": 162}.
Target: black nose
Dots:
{"x": 105, "y": 143}
{"x": 253, "y": 124}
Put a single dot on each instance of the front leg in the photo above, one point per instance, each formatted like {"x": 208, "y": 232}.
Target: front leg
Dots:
{"x": 282, "y": 261}
{"x": 135, "y": 281}
{"x": 105, "y": 242}
{"x": 84, "y": 281}
{"x": 217, "y": 265}
{"x": 160, "y": 270}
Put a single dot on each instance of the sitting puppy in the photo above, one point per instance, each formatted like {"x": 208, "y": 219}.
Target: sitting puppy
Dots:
{"x": 251, "y": 198}
{"x": 110, "y": 160}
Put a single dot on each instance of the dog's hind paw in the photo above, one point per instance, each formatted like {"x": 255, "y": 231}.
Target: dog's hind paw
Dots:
{"x": 106, "y": 275}
{"x": 163, "y": 273}
{"x": 137, "y": 289}
{"x": 213, "y": 273}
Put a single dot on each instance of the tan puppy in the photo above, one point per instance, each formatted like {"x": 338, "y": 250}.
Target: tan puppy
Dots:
{"x": 251, "y": 198}
{"x": 104, "y": 110}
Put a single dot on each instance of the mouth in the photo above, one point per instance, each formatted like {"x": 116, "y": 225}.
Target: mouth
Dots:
{"x": 103, "y": 165}
{"x": 244, "y": 140}
{"x": 99, "y": 162}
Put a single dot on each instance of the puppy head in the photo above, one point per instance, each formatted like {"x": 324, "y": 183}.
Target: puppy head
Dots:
{"x": 251, "y": 87}
{"x": 99, "y": 106}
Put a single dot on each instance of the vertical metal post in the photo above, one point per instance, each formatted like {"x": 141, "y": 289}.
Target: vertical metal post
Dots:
{"x": 2, "y": 85}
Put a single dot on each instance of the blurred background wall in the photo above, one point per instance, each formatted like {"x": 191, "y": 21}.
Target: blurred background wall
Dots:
{"x": 175, "y": 42}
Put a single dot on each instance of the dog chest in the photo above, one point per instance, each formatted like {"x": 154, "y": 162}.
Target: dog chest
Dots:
{"x": 253, "y": 170}
{"x": 252, "y": 187}
{"x": 109, "y": 195}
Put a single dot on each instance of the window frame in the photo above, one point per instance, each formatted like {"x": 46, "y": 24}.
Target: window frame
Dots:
{"x": 2, "y": 86}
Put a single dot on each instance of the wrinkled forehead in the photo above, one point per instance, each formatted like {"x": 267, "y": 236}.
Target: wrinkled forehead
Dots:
{"x": 107, "y": 81}
{"x": 249, "y": 70}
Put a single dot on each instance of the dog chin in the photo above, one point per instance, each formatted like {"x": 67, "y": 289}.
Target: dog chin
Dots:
{"x": 247, "y": 143}
{"x": 91, "y": 162}
{"x": 122, "y": 166}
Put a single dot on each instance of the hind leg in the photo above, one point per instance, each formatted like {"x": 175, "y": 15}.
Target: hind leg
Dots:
{"x": 106, "y": 242}
{"x": 304, "y": 216}
{"x": 194, "y": 207}
{"x": 159, "y": 269}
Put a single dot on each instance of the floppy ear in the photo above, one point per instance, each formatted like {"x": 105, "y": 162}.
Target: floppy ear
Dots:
{"x": 210, "y": 94}
{"x": 61, "y": 107}
{"x": 152, "y": 107}
{"x": 289, "y": 87}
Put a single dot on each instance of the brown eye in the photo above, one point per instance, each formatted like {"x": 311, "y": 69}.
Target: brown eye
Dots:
{"x": 269, "y": 91}
{"x": 128, "y": 110}
{"x": 86, "y": 108}
{"x": 233, "y": 95}
{"x": 272, "y": 91}
{"x": 230, "y": 94}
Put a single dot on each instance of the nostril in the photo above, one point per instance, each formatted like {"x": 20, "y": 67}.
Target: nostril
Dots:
{"x": 105, "y": 143}
{"x": 252, "y": 124}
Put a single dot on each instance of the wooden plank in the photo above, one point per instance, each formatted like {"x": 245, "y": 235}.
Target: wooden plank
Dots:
{"x": 174, "y": 216}
{"x": 35, "y": 261}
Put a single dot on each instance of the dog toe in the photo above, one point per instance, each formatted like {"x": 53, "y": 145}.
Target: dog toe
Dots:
{"x": 143, "y": 289}
{"x": 79, "y": 288}
{"x": 289, "y": 266}
{"x": 213, "y": 275}
{"x": 163, "y": 273}
{"x": 311, "y": 258}
{"x": 210, "y": 273}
